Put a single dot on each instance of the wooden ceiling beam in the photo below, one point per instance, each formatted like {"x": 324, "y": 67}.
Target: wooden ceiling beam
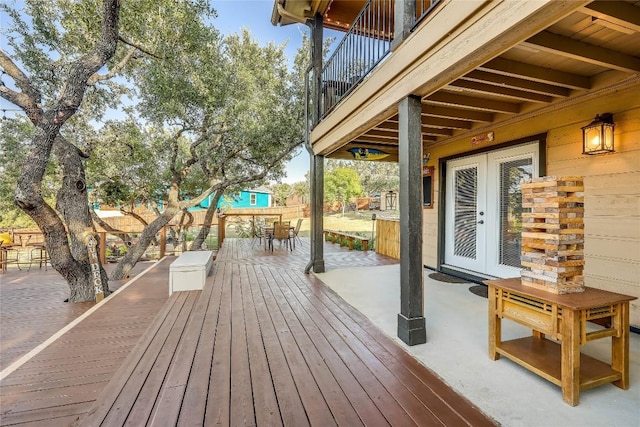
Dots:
{"x": 516, "y": 83}
{"x": 456, "y": 113}
{"x": 393, "y": 134}
{"x": 618, "y": 13}
{"x": 438, "y": 122}
{"x": 386, "y": 141}
{"x": 585, "y": 52}
{"x": 453, "y": 99}
{"x": 521, "y": 70}
{"x": 376, "y": 139}
{"x": 436, "y": 131}
{"x": 446, "y": 123}
{"x": 488, "y": 89}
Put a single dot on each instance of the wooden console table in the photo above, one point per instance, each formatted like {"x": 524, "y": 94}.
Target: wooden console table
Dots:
{"x": 563, "y": 318}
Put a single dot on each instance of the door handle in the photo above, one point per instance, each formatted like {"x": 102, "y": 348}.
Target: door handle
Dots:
{"x": 481, "y": 222}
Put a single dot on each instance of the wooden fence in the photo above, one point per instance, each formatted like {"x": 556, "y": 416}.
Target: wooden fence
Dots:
{"x": 388, "y": 237}
{"x": 132, "y": 225}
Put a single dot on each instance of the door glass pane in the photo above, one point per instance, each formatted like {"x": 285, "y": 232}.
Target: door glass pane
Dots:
{"x": 512, "y": 174}
{"x": 465, "y": 205}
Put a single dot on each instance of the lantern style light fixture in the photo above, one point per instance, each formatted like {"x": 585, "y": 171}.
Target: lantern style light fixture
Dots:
{"x": 597, "y": 136}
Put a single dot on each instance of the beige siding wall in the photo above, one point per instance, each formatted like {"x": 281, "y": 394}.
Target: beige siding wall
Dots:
{"x": 612, "y": 186}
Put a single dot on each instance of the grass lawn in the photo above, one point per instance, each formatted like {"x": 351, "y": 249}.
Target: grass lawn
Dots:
{"x": 354, "y": 222}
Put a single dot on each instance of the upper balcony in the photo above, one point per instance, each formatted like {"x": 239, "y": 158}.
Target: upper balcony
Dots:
{"x": 475, "y": 64}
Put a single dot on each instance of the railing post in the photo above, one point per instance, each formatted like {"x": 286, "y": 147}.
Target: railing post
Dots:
{"x": 404, "y": 18}
{"x": 411, "y": 324}
{"x": 163, "y": 242}
{"x": 221, "y": 229}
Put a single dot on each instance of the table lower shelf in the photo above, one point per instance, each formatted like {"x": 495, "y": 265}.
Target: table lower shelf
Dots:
{"x": 544, "y": 357}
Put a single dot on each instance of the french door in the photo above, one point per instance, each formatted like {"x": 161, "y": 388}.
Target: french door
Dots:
{"x": 483, "y": 210}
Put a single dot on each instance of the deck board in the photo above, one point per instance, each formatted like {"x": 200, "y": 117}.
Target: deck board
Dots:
{"x": 263, "y": 344}
{"x": 67, "y": 362}
{"x": 290, "y": 404}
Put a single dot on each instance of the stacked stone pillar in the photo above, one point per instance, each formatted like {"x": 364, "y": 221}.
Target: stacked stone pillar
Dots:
{"x": 552, "y": 252}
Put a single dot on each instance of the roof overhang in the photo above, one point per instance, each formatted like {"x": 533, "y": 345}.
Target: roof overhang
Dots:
{"x": 287, "y": 12}
{"x": 338, "y": 15}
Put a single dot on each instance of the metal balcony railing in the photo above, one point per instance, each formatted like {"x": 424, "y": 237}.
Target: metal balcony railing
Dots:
{"x": 366, "y": 43}
{"x": 423, "y": 8}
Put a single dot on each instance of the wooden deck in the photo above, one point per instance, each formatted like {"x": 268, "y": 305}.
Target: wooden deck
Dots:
{"x": 32, "y": 308}
{"x": 262, "y": 344}
{"x": 64, "y": 379}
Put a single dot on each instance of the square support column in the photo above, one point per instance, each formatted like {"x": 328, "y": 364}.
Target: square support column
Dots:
{"x": 411, "y": 324}
{"x": 316, "y": 171}
{"x": 317, "y": 219}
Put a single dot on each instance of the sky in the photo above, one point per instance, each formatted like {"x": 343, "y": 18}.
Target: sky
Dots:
{"x": 255, "y": 15}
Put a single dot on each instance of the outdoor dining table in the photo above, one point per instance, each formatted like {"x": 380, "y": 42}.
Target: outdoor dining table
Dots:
{"x": 267, "y": 230}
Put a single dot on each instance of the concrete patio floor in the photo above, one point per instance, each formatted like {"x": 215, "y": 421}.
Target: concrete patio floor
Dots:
{"x": 456, "y": 349}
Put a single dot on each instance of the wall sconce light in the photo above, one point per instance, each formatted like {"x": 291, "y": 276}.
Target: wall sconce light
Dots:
{"x": 597, "y": 136}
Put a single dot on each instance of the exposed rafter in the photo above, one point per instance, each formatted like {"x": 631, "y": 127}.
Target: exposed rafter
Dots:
{"x": 436, "y": 131}
{"x": 485, "y": 88}
{"x": 620, "y": 13}
{"x": 585, "y": 52}
{"x": 456, "y": 113}
{"x": 516, "y": 83}
{"x": 438, "y": 122}
{"x": 517, "y": 69}
{"x": 390, "y": 134}
{"x": 481, "y": 104}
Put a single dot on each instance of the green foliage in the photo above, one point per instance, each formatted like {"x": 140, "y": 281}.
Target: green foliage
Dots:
{"x": 375, "y": 177}
{"x": 301, "y": 190}
{"x": 281, "y": 192}
{"x": 15, "y": 140}
{"x": 341, "y": 184}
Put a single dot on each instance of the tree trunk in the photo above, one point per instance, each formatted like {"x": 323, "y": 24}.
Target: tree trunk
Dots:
{"x": 68, "y": 254}
{"x": 71, "y": 262}
{"x": 136, "y": 251}
{"x": 72, "y": 203}
{"x": 196, "y": 245}
{"x": 126, "y": 237}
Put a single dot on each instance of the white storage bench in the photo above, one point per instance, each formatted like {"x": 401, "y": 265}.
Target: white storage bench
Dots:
{"x": 189, "y": 271}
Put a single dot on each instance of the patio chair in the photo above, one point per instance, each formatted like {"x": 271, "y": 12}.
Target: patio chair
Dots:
{"x": 280, "y": 232}
{"x": 295, "y": 231}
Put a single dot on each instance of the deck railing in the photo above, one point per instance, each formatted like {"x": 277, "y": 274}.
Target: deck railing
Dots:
{"x": 423, "y": 8}
{"x": 366, "y": 43}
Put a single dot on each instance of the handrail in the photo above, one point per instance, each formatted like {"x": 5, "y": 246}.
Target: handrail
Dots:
{"x": 366, "y": 43}
{"x": 423, "y": 8}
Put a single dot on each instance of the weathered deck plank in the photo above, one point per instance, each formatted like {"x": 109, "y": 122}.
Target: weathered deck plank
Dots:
{"x": 289, "y": 400}
{"x": 276, "y": 347}
{"x": 63, "y": 380}
{"x": 262, "y": 344}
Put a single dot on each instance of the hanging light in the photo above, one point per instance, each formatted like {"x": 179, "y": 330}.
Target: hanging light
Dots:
{"x": 362, "y": 153}
{"x": 597, "y": 136}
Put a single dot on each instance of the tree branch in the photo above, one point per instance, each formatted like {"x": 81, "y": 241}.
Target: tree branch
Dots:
{"x": 18, "y": 76}
{"x": 138, "y": 47}
{"x": 87, "y": 65}
{"x": 116, "y": 69}
{"x": 29, "y": 99}
{"x": 108, "y": 228}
